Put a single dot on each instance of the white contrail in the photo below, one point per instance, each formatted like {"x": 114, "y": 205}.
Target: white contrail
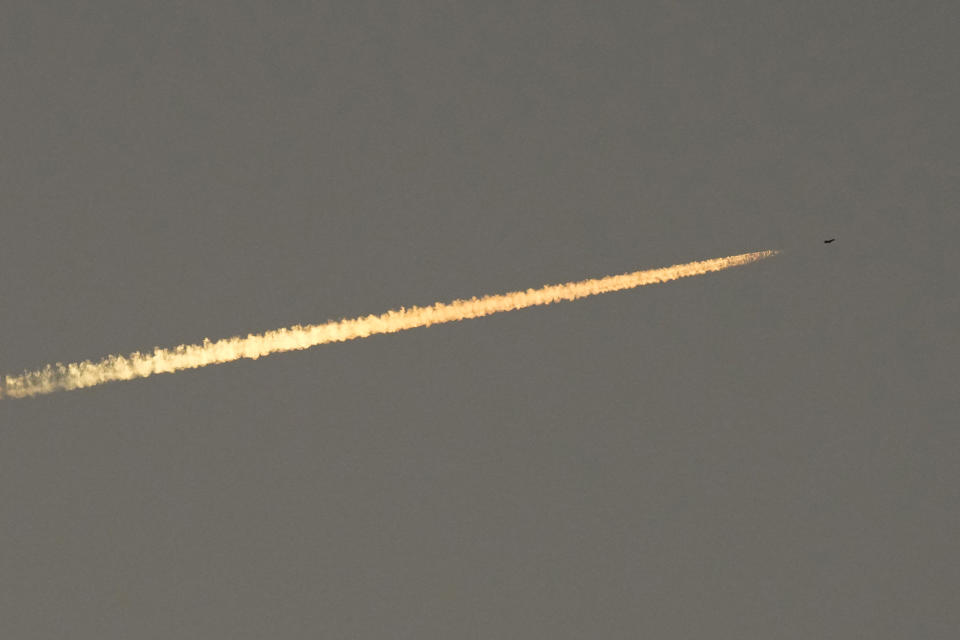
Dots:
{"x": 62, "y": 377}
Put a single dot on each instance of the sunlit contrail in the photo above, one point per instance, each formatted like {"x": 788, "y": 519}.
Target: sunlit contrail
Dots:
{"x": 62, "y": 377}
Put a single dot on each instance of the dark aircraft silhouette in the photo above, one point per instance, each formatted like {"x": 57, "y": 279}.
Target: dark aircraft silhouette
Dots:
{"x": 829, "y": 241}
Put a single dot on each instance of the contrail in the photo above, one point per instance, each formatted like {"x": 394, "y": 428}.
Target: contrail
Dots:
{"x": 77, "y": 375}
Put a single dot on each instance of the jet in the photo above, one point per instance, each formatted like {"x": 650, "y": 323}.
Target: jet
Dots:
{"x": 829, "y": 241}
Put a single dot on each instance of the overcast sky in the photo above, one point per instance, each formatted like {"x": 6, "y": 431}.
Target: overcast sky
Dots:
{"x": 770, "y": 451}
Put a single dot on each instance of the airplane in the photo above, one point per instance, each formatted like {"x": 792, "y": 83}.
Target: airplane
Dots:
{"x": 829, "y": 241}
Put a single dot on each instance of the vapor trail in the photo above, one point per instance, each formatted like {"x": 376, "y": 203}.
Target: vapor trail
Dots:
{"x": 62, "y": 377}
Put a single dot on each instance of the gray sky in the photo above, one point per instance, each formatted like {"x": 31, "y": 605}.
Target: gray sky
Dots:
{"x": 770, "y": 451}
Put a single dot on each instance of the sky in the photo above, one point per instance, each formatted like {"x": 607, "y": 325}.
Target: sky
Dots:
{"x": 767, "y": 451}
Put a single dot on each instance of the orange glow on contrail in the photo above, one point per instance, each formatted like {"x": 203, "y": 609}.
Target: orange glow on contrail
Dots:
{"x": 77, "y": 375}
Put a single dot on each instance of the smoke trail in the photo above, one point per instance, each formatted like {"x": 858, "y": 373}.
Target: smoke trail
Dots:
{"x": 62, "y": 377}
